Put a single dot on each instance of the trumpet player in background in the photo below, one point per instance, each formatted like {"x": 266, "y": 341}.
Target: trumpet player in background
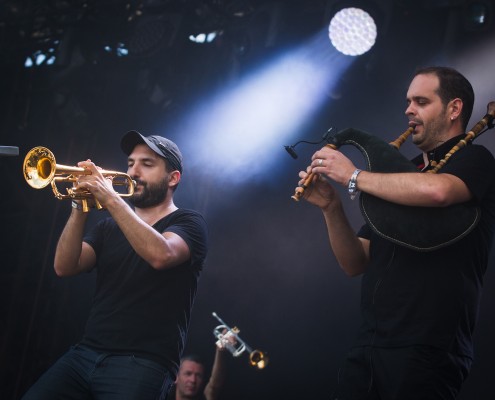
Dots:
{"x": 189, "y": 384}
{"x": 147, "y": 259}
{"x": 419, "y": 309}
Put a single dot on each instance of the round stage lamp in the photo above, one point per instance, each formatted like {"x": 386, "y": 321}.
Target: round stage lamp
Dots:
{"x": 352, "y": 31}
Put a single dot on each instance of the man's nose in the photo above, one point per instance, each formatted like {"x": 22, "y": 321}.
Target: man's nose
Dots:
{"x": 133, "y": 171}
{"x": 410, "y": 110}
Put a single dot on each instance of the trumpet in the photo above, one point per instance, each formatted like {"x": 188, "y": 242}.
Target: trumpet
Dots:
{"x": 40, "y": 169}
{"x": 232, "y": 342}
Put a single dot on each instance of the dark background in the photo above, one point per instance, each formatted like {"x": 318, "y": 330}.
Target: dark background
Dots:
{"x": 269, "y": 270}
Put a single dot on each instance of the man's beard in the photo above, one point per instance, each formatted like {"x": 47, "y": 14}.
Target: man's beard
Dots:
{"x": 432, "y": 131}
{"x": 151, "y": 195}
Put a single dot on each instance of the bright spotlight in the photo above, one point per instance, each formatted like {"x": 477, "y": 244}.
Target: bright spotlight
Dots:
{"x": 352, "y": 31}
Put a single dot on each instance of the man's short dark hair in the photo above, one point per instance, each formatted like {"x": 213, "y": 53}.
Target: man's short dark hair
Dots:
{"x": 192, "y": 357}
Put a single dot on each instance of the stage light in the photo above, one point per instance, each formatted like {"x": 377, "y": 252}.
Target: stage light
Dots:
{"x": 119, "y": 49}
{"x": 205, "y": 37}
{"x": 478, "y": 15}
{"x": 43, "y": 56}
{"x": 352, "y": 31}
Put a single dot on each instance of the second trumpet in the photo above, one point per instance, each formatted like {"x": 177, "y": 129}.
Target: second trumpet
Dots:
{"x": 229, "y": 338}
{"x": 40, "y": 169}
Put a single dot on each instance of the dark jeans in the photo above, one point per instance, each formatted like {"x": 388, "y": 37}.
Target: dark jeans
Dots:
{"x": 411, "y": 373}
{"x": 82, "y": 373}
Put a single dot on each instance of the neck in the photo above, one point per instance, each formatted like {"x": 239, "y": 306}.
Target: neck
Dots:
{"x": 153, "y": 214}
{"x": 178, "y": 396}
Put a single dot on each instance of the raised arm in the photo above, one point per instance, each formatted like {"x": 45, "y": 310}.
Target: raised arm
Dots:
{"x": 217, "y": 378}
{"x": 411, "y": 189}
{"x": 161, "y": 251}
{"x": 72, "y": 255}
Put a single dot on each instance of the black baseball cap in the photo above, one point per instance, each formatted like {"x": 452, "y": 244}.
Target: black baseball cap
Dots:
{"x": 162, "y": 146}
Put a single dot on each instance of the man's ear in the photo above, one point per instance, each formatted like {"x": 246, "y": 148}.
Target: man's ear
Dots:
{"x": 174, "y": 178}
{"x": 455, "y": 108}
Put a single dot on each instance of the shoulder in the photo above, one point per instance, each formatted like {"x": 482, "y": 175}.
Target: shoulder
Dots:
{"x": 184, "y": 216}
{"x": 474, "y": 158}
{"x": 188, "y": 224}
{"x": 472, "y": 151}
{"x": 186, "y": 213}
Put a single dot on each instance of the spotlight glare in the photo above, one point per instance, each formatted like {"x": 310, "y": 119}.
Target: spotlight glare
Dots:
{"x": 210, "y": 37}
{"x": 199, "y": 38}
{"x": 352, "y": 31}
{"x": 205, "y": 37}
{"x": 40, "y": 58}
{"x": 260, "y": 112}
{"x": 477, "y": 16}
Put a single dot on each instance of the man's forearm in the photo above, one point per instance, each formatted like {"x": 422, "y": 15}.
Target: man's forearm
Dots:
{"x": 69, "y": 246}
{"x": 217, "y": 379}
{"x": 350, "y": 251}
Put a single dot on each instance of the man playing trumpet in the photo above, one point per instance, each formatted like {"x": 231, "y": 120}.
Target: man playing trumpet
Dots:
{"x": 148, "y": 260}
{"x": 419, "y": 308}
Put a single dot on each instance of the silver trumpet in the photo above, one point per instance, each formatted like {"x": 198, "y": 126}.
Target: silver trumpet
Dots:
{"x": 228, "y": 338}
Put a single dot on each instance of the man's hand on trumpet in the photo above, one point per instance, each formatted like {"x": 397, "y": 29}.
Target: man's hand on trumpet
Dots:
{"x": 100, "y": 186}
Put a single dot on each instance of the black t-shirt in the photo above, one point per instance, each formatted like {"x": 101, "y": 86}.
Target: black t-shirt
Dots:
{"x": 432, "y": 298}
{"x": 137, "y": 309}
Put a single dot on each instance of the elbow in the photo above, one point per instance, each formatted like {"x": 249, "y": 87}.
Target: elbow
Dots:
{"x": 439, "y": 198}
{"x": 167, "y": 259}
{"x": 353, "y": 273}
{"x": 353, "y": 270}
{"x": 64, "y": 269}
{"x": 160, "y": 263}
{"x": 446, "y": 192}
{"x": 59, "y": 271}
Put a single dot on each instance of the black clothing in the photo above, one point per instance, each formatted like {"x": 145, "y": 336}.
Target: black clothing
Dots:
{"x": 432, "y": 298}
{"x": 84, "y": 374}
{"x": 139, "y": 310}
{"x": 404, "y": 373}
{"x": 420, "y": 308}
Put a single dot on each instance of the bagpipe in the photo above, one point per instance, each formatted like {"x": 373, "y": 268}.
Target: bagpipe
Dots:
{"x": 418, "y": 228}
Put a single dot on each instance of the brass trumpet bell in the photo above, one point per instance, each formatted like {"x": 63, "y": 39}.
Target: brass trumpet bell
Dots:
{"x": 258, "y": 359}
{"x": 40, "y": 169}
